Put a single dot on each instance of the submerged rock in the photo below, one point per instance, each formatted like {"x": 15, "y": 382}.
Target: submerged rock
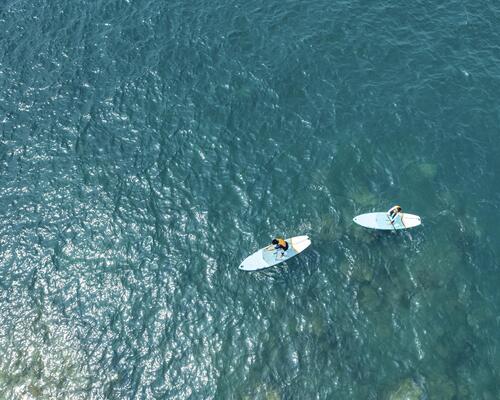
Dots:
{"x": 407, "y": 390}
{"x": 362, "y": 235}
{"x": 363, "y": 198}
{"x": 35, "y": 391}
{"x": 329, "y": 229}
{"x": 382, "y": 324}
{"x": 318, "y": 326}
{"x": 368, "y": 298}
{"x": 272, "y": 395}
{"x": 362, "y": 273}
{"x": 442, "y": 388}
{"x": 346, "y": 268}
{"x": 428, "y": 170}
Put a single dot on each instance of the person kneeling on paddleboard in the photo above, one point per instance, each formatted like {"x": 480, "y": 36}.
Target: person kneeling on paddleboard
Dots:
{"x": 393, "y": 213}
{"x": 280, "y": 244}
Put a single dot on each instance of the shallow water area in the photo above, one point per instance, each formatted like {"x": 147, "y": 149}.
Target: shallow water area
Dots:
{"x": 147, "y": 148}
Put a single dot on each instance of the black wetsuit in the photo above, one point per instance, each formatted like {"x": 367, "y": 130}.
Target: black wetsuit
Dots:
{"x": 279, "y": 246}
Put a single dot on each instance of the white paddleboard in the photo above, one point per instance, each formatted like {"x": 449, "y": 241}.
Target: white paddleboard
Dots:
{"x": 380, "y": 220}
{"x": 269, "y": 256}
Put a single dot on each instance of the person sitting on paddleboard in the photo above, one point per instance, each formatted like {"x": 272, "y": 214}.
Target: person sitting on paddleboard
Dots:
{"x": 393, "y": 213}
{"x": 280, "y": 244}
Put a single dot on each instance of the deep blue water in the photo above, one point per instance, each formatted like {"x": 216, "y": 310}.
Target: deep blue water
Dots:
{"x": 147, "y": 147}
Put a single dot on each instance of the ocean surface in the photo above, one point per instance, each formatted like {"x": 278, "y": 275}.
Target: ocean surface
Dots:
{"x": 148, "y": 147}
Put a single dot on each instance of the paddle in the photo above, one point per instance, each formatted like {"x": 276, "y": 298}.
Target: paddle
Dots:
{"x": 392, "y": 220}
{"x": 392, "y": 223}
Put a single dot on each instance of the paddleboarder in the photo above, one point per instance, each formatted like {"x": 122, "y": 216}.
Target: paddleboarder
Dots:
{"x": 280, "y": 244}
{"x": 393, "y": 213}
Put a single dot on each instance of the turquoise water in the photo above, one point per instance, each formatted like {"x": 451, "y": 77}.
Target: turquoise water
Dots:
{"x": 148, "y": 147}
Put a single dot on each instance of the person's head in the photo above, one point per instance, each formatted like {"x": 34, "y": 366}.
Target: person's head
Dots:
{"x": 275, "y": 241}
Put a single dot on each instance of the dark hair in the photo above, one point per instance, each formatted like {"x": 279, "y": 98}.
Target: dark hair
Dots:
{"x": 275, "y": 241}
